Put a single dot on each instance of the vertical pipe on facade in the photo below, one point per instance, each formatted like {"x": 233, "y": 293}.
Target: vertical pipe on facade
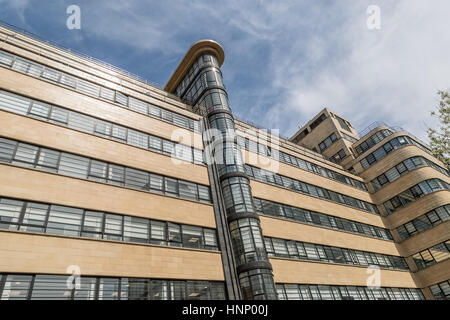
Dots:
{"x": 207, "y": 92}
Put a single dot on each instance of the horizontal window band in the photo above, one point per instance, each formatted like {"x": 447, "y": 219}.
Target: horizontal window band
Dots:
{"x": 312, "y": 252}
{"x": 89, "y": 88}
{"x": 26, "y": 286}
{"x": 44, "y": 159}
{"x": 290, "y": 291}
{"x": 248, "y": 266}
{"x": 74, "y": 120}
{"x": 207, "y": 65}
{"x": 60, "y": 220}
{"x": 296, "y": 162}
{"x": 206, "y": 90}
{"x": 226, "y": 111}
{"x": 424, "y": 222}
{"x": 234, "y": 175}
{"x": 295, "y": 185}
{"x": 245, "y": 215}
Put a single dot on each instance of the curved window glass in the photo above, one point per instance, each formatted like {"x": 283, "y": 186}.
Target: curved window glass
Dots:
{"x": 92, "y": 89}
{"x": 424, "y": 222}
{"x": 257, "y": 284}
{"x": 402, "y": 168}
{"x": 414, "y": 193}
{"x": 248, "y": 244}
{"x": 260, "y": 148}
{"x": 55, "y": 287}
{"x": 433, "y": 255}
{"x": 237, "y": 195}
{"x": 387, "y": 148}
{"x": 327, "y": 292}
{"x": 77, "y": 121}
{"x": 87, "y": 168}
{"x": 441, "y": 291}
{"x": 315, "y": 191}
{"x": 373, "y": 140}
{"x": 320, "y": 219}
{"x": 316, "y": 252}
{"x": 69, "y": 221}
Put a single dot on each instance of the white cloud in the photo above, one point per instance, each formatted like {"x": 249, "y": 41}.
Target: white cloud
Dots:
{"x": 390, "y": 75}
{"x": 286, "y": 60}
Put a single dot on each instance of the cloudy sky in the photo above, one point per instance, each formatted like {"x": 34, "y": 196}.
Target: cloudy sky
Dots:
{"x": 284, "y": 60}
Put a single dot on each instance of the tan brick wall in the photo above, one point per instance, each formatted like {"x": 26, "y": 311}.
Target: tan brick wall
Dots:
{"x": 296, "y": 199}
{"x": 51, "y": 93}
{"x": 33, "y": 185}
{"x": 280, "y": 228}
{"x": 64, "y": 139}
{"x": 417, "y": 208}
{"x": 303, "y": 272}
{"x": 306, "y": 176}
{"x": 425, "y": 239}
{"x": 433, "y": 274}
{"x": 32, "y": 253}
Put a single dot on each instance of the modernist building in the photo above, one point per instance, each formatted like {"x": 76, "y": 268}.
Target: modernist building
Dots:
{"x": 110, "y": 177}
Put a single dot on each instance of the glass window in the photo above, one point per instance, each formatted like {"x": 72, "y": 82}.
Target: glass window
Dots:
{"x": 103, "y": 128}
{"x": 168, "y": 147}
{"x": 137, "y": 105}
{"x": 14, "y": 103}
{"x": 59, "y": 115}
{"x": 51, "y": 74}
{"x": 170, "y": 186}
{"x": 136, "y": 179}
{"x": 34, "y": 217}
{"x": 119, "y": 133}
{"x": 81, "y": 122}
{"x": 135, "y": 229}
{"x": 157, "y": 232}
{"x": 192, "y": 236}
{"x": 73, "y": 165}
{"x": 98, "y": 171}
{"x": 113, "y": 227}
{"x": 6, "y": 59}
{"x": 86, "y": 290}
{"x": 93, "y": 224}
{"x": 25, "y": 154}
{"x": 155, "y": 143}
{"x": 49, "y": 287}
{"x": 280, "y": 248}
{"x": 7, "y": 148}
{"x": 48, "y": 159}
{"x": 17, "y": 287}
{"x": 137, "y": 139}
{"x": 107, "y": 94}
{"x": 210, "y": 239}
{"x": 121, "y": 98}
{"x": 40, "y": 109}
{"x": 188, "y": 190}
{"x": 108, "y": 289}
{"x": 64, "y": 220}
{"x": 116, "y": 174}
{"x": 10, "y": 213}
{"x": 174, "y": 234}
{"x": 156, "y": 182}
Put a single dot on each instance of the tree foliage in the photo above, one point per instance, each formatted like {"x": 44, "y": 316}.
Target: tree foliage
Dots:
{"x": 440, "y": 137}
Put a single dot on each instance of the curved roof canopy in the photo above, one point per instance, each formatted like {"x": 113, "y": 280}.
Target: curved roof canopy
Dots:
{"x": 194, "y": 51}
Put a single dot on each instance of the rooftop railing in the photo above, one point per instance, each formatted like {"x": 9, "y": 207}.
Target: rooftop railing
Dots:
{"x": 99, "y": 62}
{"x": 363, "y": 133}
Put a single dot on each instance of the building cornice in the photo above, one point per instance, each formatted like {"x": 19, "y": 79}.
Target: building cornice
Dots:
{"x": 194, "y": 51}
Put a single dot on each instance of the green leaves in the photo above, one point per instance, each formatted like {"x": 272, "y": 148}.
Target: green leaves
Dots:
{"x": 440, "y": 137}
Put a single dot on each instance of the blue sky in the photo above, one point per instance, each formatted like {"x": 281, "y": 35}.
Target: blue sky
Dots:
{"x": 284, "y": 60}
